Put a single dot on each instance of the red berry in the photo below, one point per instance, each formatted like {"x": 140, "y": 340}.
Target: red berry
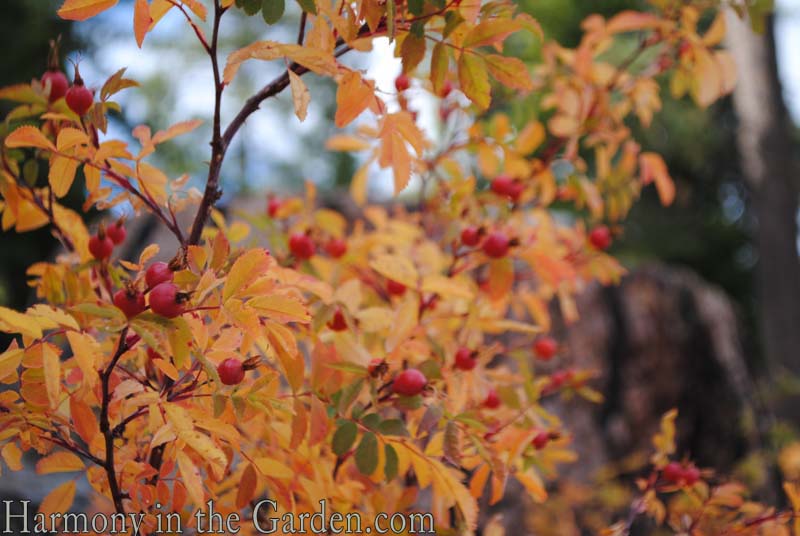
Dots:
{"x": 395, "y": 288}
{"x": 672, "y": 472}
{"x": 492, "y": 401}
{"x": 447, "y": 87}
{"x": 231, "y": 371}
{"x": 496, "y": 245}
{"x": 158, "y": 272}
{"x": 515, "y": 190}
{"x": 410, "y": 382}
{"x": 545, "y": 348}
{"x": 117, "y": 232}
{"x": 166, "y": 301}
{"x": 336, "y": 247}
{"x": 508, "y": 187}
{"x": 58, "y": 84}
{"x": 101, "y": 247}
{"x": 600, "y": 237}
{"x": 273, "y": 205}
{"x": 561, "y": 377}
{"x": 301, "y": 246}
{"x": 465, "y": 359}
{"x": 691, "y": 475}
{"x": 338, "y": 322}
{"x": 541, "y": 440}
{"x": 502, "y": 185}
{"x": 470, "y": 236}
{"x": 79, "y": 99}
{"x": 129, "y": 301}
{"x": 402, "y": 82}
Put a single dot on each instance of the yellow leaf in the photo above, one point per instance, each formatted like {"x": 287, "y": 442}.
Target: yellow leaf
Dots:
{"x": 176, "y": 130}
{"x": 490, "y": 32}
{"x": 447, "y": 287}
{"x": 12, "y": 321}
{"x": 281, "y": 308}
{"x": 440, "y": 63}
{"x": 344, "y": 142}
{"x": 273, "y": 468}
{"x": 62, "y": 174}
{"x": 530, "y": 138}
{"x": 60, "y": 462}
{"x": 9, "y": 363}
{"x": 70, "y": 137}
{"x": 653, "y": 169}
{"x": 396, "y": 267}
{"x": 353, "y": 97}
{"x": 630, "y": 20}
{"x": 511, "y": 72}
{"x": 12, "y": 455}
{"x": 59, "y": 500}
{"x": 474, "y": 79}
{"x": 28, "y": 136}
{"x": 533, "y": 483}
{"x": 84, "y": 9}
{"x": 183, "y": 425}
{"x": 261, "y": 50}
{"x": 358, "y": 186}
{"x": 52, "y": 374}
{"x": 245, "y": 270}
{"x": 300, "y": 96}
{"x": 141, "y": 20}
{"x": 87, "y": 353}
{"x": 191, "y": 478}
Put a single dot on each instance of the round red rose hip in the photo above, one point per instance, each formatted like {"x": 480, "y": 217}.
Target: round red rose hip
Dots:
{"x": 165, "y": 300}
{"x": 158, "y": 272}
{"x": 496, "y": 245}
{"x": 465, "y": 359}
{"x": 301, "y": 246}
{"x": 129, "y": 301}
{"x": 231, "y": 371}
{"x": 545, "y": 348}
{"x": 410, "y": 382}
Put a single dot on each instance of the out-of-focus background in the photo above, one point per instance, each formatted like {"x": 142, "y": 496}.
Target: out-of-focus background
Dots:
{"x": 708, "y": 320}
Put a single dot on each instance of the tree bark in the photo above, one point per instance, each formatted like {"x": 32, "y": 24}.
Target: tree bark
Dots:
{"x": 765, "y": 150}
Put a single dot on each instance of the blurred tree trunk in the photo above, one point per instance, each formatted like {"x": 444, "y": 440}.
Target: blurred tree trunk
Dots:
{"x": 765, "y": 149}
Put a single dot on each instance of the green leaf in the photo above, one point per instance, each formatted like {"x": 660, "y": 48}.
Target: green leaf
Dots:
{"x": 349, "y": 394}
{"x": 30, "y": 172}
{"x": 416, "y": 6}
{"x": 309, "y": 6}
{"x": 251, "y": 7}
{"x": 412, "y": 51}
{"x": 393, "y": 427}
{"x": 272, "y": 10}
{"x": 390, "y": 467}
{"x": 344, "y": 437}
{"x": 452, "y": 20}
{"x": 409, "y": 402}
{"x": 371, "y": 421}
{"x": 367, "y": 454}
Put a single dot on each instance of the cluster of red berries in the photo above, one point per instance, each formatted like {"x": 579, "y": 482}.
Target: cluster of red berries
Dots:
{"x": 79, "y": 98}
{"x": 302, "y": 246}
{"x": 101, "y": 245}
{"x": 506, "y": 186}
{"x": 165, "y": 298}
{"x": 684, "y": 474}
{"x": 495, "y": 245}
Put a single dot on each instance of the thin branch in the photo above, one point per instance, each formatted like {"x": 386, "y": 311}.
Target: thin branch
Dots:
{"x": 105, "y": 427}
{"x": 212, "y": 192}
{"x": 301, "y": 33}
{"x": 198, "y": 32}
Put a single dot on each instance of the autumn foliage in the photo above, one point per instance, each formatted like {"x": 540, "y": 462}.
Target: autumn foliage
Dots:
{"x": 363, "y": 360}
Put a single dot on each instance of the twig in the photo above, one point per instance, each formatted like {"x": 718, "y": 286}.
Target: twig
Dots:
{"x": 105, "y": 428}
